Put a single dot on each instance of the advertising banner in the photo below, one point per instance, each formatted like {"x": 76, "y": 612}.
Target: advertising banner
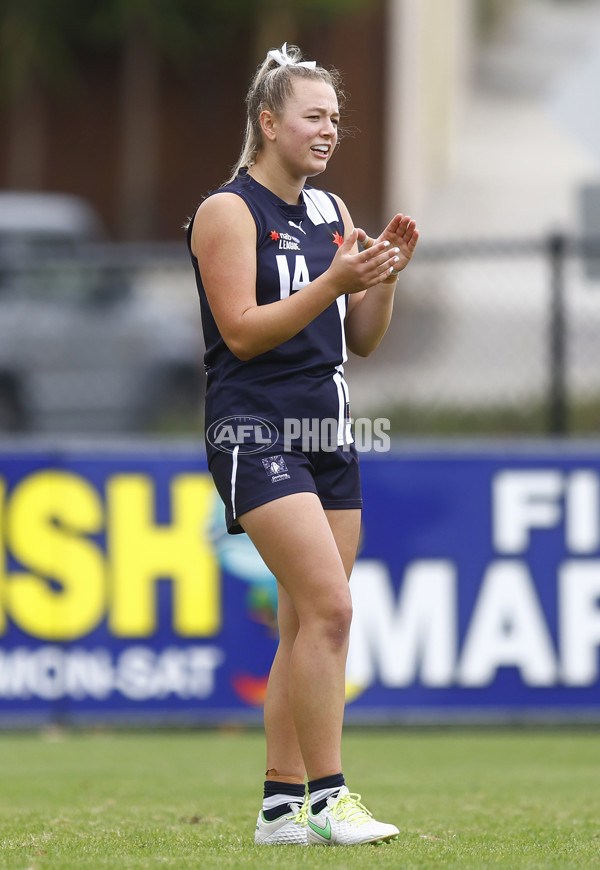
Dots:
{"x": 123, "y": 599}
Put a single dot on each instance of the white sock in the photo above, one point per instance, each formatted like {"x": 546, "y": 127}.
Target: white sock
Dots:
{"x": 322, "y": 794}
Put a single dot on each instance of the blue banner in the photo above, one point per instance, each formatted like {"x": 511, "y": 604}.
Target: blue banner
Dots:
{"x": 122, "y": 598}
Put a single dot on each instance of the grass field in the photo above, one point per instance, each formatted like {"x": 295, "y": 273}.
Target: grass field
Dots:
{"x": 468, "y": 799}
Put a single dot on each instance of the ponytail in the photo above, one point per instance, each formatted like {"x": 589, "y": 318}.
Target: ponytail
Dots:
{"x": 270, "y": 88}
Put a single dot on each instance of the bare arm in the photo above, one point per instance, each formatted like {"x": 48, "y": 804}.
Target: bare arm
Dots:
{"x": 369, "y": 313}
{"x": 224, "y": 242}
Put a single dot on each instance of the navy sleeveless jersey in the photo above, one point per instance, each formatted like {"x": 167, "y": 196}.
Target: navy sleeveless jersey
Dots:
{"x": 302, "y": 377}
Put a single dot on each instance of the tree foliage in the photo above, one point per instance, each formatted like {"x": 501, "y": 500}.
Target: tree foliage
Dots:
{"x": 37, "y": 42}
{"x": 41, "y": 39}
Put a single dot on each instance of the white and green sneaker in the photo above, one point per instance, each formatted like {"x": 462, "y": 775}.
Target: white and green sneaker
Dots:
{"x": 287, "y": 830}
{"x": 346, "y": 822}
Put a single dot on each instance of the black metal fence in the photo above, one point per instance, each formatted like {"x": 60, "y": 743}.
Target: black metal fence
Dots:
{"x": 489, "y": 337}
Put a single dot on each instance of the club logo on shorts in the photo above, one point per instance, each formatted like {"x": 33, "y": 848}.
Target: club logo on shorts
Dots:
{"x": 276, "y": 468}
{"x": 249, "y": 434}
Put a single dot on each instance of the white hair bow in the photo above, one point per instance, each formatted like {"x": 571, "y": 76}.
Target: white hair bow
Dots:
{"x": 283, "y": 59}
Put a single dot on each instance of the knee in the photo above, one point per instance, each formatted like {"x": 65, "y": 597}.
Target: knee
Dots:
{"x": 336, "y": 621}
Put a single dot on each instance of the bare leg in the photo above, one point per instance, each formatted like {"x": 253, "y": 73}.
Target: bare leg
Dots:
{"x": 345, "y": 525}
{"x": 295, "y": 538}
{"x": 284, "y": 759}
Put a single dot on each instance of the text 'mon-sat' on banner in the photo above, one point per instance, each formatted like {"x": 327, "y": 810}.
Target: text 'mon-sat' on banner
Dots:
{"x": 123, "y": 599}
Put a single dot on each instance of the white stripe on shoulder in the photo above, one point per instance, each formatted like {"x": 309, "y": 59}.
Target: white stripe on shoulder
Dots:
{"x": 319, "y": 207}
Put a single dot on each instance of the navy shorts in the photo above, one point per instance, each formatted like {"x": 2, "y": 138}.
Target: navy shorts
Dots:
{"x": 246, "y": 480}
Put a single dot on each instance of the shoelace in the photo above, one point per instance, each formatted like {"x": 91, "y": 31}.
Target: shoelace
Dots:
{"x": 301, "y": 817}
{"x": 349, "y": 808}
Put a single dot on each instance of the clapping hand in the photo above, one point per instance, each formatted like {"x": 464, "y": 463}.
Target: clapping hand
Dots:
{"x": 401, "y": 233}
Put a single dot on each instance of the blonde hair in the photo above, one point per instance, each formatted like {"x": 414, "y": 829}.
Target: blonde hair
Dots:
{"x": 270, "y": 88}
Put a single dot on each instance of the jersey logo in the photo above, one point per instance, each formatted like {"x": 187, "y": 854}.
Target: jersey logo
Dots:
{"x": 297, "y": 226}
{"x": 337, "y": 239}
{"x": 286, "y": 242}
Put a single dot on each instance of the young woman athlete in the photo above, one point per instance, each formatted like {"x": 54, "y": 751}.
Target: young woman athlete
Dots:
{"x": 284, "y": 290}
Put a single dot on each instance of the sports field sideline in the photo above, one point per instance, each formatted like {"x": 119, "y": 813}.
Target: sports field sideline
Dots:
{"x": 461, "y": 798}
